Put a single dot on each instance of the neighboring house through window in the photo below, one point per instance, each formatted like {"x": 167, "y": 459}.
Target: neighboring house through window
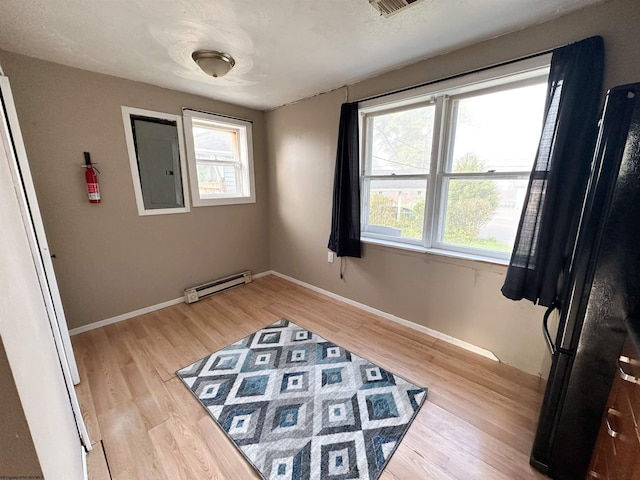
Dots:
{"x": 220, "y": 159}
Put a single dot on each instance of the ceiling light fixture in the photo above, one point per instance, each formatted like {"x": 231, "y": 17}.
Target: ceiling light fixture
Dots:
{"x": 216, "y": 64}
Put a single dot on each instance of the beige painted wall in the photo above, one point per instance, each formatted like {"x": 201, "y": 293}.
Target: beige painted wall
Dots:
{"x": 17, "y": 454}
{"x": 457, "y": 297}
{"x": 109, "y": 260}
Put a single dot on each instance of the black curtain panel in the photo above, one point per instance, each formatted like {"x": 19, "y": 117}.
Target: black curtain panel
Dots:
{"x": 549, "y": 221}
{"x": 345, "y": 216}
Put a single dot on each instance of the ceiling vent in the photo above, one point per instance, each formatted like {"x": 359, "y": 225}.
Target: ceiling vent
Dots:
{"x": 389, "y": 7}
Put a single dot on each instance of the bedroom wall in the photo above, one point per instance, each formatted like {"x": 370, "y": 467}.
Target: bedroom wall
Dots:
{"x": 17, "y": 452}
{"x": 109, "y": 260}
{"x": 460, "y": 298}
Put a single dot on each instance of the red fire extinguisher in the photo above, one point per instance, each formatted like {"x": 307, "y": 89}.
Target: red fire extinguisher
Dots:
{"x": 91, "y": 176}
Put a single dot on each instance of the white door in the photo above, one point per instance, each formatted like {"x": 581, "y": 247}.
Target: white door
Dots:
{"x": 32, "y": 213}
{"x": 28, "y": 203}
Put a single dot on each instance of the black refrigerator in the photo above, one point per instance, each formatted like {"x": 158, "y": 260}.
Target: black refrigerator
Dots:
{"x": 604, "y": 281}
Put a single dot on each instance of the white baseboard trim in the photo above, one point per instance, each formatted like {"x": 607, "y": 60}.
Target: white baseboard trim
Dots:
{"x": 125, "y": 316}
{"x": 140, "y": 311}
{"x": 262, "y": 274}
{"x": 421, "y": 328}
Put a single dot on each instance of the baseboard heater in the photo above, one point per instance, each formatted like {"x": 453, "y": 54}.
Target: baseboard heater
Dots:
{"x": 194, "y": 294}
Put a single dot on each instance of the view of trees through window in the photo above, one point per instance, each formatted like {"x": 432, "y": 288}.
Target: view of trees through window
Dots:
{"x": 383, "y": 211}
{"x": 471, "y": 204}
{"x": 485, "y": 157}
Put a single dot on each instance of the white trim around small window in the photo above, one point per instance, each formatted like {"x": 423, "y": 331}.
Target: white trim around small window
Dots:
{"x": 146, "y": 172}
{"x": 219, "y": 158}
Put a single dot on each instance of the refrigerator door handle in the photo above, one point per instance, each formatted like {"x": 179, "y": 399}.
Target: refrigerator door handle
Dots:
{"x": 624, "y": 375}
{"x": 553, "y": 348}
{"x": 545, "y": 328}
{"x": 610, "y": 431}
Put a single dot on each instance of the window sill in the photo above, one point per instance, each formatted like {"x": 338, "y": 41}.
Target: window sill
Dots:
{"x": 219, "y": 201}
{"x": 434, "y": 251}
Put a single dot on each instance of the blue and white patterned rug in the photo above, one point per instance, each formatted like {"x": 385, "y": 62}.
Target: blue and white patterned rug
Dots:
{"x": 300, "y": 407}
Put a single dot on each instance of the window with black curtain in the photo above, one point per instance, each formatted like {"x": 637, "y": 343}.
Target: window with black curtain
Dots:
{"x": 345, "y": 215}
{"x": 557, "y": 185}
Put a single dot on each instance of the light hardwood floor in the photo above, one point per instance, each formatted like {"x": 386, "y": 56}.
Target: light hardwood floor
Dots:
{"x": 477, "y": 423}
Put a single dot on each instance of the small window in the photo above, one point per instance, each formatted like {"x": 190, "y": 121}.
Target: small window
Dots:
{"x": 220, "y": 159}
{"x": 446, "y": 169}
{"x": 156, "y": 155}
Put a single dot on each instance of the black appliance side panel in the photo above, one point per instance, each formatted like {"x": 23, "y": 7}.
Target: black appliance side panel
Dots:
{"x": 606, "y": 163}
{"x": 558, "y": 377}
{"x": 616, "y": 281}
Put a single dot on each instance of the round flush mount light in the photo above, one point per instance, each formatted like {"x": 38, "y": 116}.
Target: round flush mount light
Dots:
{"x": 216, "y": 64}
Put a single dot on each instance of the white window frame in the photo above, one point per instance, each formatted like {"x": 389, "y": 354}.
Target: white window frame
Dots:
{"x": 442, "y": 94}
{"x": 127, "y": 112}
{"x": 243, "y": 129}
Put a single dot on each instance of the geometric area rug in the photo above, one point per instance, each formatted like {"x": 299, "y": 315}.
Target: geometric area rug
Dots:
{"x": 300, "y": 407}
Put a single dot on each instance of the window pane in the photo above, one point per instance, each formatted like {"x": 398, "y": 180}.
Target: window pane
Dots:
{"x": 216, "y": 179}
{"x": 396, "y": 208}
{"x": 497, "y": 131}
{"x": 401, "y": 142}
{"x": 214, "y": 145}
{"x": 483, "y": 214}
{"x": 220, "y": 159}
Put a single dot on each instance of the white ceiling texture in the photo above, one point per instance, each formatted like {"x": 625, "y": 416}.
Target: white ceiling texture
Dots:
{"x": 285, "y": 50}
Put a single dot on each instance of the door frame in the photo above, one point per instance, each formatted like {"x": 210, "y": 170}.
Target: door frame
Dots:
{"x": 34, "y": 227}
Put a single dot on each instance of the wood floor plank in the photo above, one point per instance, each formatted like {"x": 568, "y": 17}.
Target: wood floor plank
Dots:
{"x": 85, "y": 397}
{"x": 114, "y": 431}
{"x": 471, "y": 440}
{"x": 134, "y": 452}
{"x": 198, "y": 455}
{"x": 478, "y": 420}
{"x": 117, "y": 333}
{"x": 517, "y": 377}
{"x": 108, "y": 386}
{"x": 229, "y": 461}
{"x": 164, "y": 358}
{"x": 188, "y": 347}
{"x": 199, "y": 330}
{"x": 176, "y": 466}
{"x": 97, "y": 463}
{"x": 184, "y": 404}
{"x": 222, "y": 321}
{"x": 137, "y": 326}
{"x": 145, "y": 394}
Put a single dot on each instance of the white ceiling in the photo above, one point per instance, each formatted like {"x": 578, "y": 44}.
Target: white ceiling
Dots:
{"x": 285, "y": 50}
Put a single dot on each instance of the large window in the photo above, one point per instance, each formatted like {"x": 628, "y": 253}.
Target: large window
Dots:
{"x": 446, "y": 168}
{"x": 220, "y": 159}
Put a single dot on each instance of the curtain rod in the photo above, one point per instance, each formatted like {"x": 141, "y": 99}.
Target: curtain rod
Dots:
{"x": 458, "y": 75}
{"x": 217, "y": 114}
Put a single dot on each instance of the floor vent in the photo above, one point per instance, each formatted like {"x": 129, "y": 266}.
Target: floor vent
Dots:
{"x": 194, "y": 294}
{"x": 389, "y": 7}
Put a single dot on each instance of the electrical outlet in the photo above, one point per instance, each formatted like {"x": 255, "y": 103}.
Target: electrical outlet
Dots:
{"x": 330, "y": 257}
